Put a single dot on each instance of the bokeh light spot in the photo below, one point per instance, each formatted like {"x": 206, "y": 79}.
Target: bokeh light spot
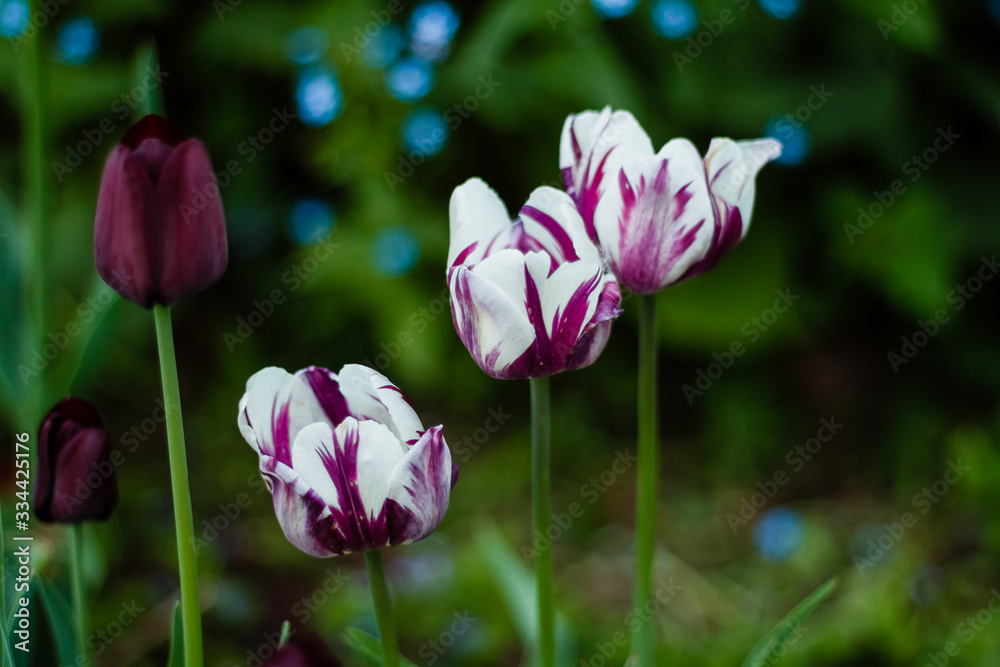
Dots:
{"x": 307, "y": 46}
{"x": 77, "y": 41}
{"x": 14, "y": 18}
{"x": 310, "y": 221}
{"x": 410, "y": 79}
{"x": 794, "y": 140}
{"x": 432, "y": 27}
{"x": 674, "y": 19}
{"x": 425, "y": 131}
{"x": 384, "y": 46}
{"x": 614, "y": 9}
{"x": 395, "y": 252}
{"x": 318, "y": 96}
{"x": 778, "y": 534}
{"x": 781, "y": 9}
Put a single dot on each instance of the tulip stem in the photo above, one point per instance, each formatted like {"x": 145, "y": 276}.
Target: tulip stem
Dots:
{"x": 187, "y": 555}
{"x": 383, "y": 607}
{"x": 646, "y": 492}
{"x": 541, "y": 500}
{"x": 79, "y": 593}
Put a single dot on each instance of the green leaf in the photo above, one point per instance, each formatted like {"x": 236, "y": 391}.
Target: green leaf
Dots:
{"x": 60, "y": 616}
{"x": 8, "y": 658}
{"x": 767, "y": 649}
{"x": 176, "y": 656}
{"x": 286, "y": 632}
{"x": 366, "y": 646}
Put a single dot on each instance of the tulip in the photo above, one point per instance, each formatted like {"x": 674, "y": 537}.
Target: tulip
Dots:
{"x": 529, "y": 298}
{"x": 159, "y": 233}
{"x": 659, "y": 218}
{"x": 76, "y": 479}
{"x": 346, "y": 458}
{"x": 303, "y": 650}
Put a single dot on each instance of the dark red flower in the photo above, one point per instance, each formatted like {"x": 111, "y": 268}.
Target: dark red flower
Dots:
{"x": 76, "y": 479}
{"x": 160, "y": 232}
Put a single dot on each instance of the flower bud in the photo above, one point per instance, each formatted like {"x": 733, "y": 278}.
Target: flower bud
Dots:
{"x": 159, "y": 232}
{"x": 76, "y": 479}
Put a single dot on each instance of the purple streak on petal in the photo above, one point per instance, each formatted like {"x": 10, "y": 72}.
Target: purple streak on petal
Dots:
{"x": 652, "y": 241}
{"x": 327, "y": 391}
{"x": 567, "y": 174}
{"x": 543, "y": 345}
{"x": 598, "y": 330}
{"x": 463, "y": 315}
{"x": 352, "y": 521}
{"x": 559, "y": 234}
{"x": 462, "y": 256}
{"x": 724, "y": 239}
{"x": 414, "y": 511}
{"x": 279, "y": 433}
{"x": 301, "y": 513}
{"x": 568, "y": 324}
{"x": 590, "y": 194}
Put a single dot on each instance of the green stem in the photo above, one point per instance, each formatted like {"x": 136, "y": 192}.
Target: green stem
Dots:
{"x": 646, "y": 493}
{"x": 383, "y": 607}
{"x": 541, "y": 505}
{"x": 79, "y": 594}
{"x": 187, "y": 555}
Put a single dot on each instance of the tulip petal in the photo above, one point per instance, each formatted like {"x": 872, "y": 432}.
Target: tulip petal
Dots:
{"x": 370, "y": 395}
{"x": 73, "y": 502}
{"x": 195, "y": 251}
{"x": 277, "y": 405}
{"x": 598, "y": 330}
{"x": 664, "y": 219}
{"x": 303, "y": 516}
{"x": 126, "y": 229}
{"x": 488, "y": 310}
{"x": 595, "y": 146}
{"x": 349, "y": 469}
{"x": 551, "y": 217}
{"x": 419, "y": 489}
{"x": 478, "y": 218}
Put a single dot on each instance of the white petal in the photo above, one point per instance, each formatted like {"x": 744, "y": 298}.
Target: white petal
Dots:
{"x": 477, "y": 215}
{"x": 421, "y": 486}
{"x": 732, "y": 168}
{"x": 551, "y": 217}
{"x": 370, "y": 395}
{"x": 489, "y": 309}
{"x": 557, "y": 290}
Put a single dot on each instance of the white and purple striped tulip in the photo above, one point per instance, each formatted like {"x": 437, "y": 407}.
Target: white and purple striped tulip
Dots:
{"x": 346, "y": 458}
{"x": 664, "y": 217}
{"x": 530, "y": 297}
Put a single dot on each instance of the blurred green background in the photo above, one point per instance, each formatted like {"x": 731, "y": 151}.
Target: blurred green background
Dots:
{"x": 343, "y": 211}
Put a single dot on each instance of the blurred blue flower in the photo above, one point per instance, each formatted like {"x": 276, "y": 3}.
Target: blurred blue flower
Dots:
{"x": 675, "y": 19}
{"x": 794, "y": 140}
{"x": 614, "y": 9}
{"x": 432, "y": 27}
{"x": 781, "y": 9}
{"x": 77, "y": 41}
{"x": 310, "y": 221}
{"x": 307, "y": 46}
{"x": 425, "y": 131}
{"x": 395, "y": 252}
{"x": 778, "y": 534}
{"x": 318, "y": 96}
{"x": 14, "y": 18}
{"x": 410, "y": 79}
{"x": 384, "y": 46}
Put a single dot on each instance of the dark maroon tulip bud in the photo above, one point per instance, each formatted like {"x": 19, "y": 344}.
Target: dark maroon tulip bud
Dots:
{"x": 160, "y": 233}
{"x": 76, "y": 479}
{"x": 305, "y": 650}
